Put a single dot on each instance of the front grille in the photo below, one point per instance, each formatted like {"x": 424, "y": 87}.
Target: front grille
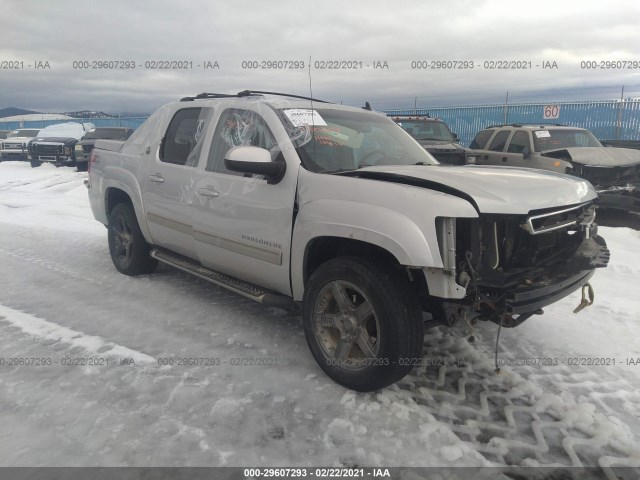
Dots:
{"x": 556, "y": 220}
{"x": 546, "y": 222}
{"x": 47, "y": 149}
{"x": 13, "y": 146}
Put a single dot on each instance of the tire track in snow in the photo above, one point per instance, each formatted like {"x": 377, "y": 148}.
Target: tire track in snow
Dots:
{"x": 517, "y": 418}
{"x": 34, "y": 258}
{"x": 52, "y": 332}
{"x": 66, "y": 180}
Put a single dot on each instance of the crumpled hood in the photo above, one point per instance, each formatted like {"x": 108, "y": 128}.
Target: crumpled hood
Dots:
{"x": 506, "y": 190}
{"x": 597, "y": 156}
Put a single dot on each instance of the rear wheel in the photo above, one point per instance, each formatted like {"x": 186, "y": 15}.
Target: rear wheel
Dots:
{"x": 35, "y": 163}
{"x": 127, "y": 246}
{"x": 363, "y": 323}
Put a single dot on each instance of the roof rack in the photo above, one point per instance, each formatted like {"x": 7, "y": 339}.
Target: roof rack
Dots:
{"x": 206, "y": 95}
{"x": 247, "y": 93}
{"x": 519, "y": 125}
{"x": 413, "y": 117}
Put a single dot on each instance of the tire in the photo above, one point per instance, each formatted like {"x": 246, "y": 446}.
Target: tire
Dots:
{"x": 81, "y": 166}
{"x": 363, "y": 323}
{"x": 127, "y": 246}
{"x": 35, "y": 163}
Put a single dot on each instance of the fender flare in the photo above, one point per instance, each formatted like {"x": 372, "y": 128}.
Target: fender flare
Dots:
{"x": 373, "y": 224}
{"x": 135, "y": 196}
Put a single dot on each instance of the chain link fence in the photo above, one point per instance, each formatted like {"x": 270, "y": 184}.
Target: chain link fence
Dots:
{"x": 607, "y": 119}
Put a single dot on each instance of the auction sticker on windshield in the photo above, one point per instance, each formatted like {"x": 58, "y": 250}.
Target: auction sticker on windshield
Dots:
{"x": 542, "y": 134}
{"x": 301, "y": 117}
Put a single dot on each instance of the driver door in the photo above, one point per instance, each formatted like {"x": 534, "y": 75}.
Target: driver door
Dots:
{"x": 242, "y": 224}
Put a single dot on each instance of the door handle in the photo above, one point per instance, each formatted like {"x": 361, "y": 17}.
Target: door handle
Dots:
{"x": 504, "y": 159}
{"x": 156, "y": 178}
{"x": 207, "y": 192}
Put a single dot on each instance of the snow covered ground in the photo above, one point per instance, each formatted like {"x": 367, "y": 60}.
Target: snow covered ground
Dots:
{"x": 81, "y": 384}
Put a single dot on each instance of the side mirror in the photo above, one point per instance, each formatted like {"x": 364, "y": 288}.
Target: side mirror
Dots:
{"x": 455, "y": 136}
{"x": 525, "y": 153}
{"x": 256, "y": 161}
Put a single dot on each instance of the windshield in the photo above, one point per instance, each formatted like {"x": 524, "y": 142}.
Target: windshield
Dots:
{"x": 107, "y": 134}
{"x": 427, "y": 130}
{"x": 23, "y": 133}
{"x": 340, "y": 140}
{"x": 551, "y": 139}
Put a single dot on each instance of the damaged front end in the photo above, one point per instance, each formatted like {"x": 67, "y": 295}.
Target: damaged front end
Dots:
{"x": 614, "y": 172}
{"x": 511, "y": 266}
{"x": 617, "y": 187}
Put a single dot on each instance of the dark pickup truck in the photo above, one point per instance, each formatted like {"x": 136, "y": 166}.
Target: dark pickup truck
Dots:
{"x": 436, "y": 138}
{"x": 85, "y": 146}
{"x": 56, "y": 143}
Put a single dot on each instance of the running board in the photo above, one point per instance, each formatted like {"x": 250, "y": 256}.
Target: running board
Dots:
{"x": 240, "y": 287}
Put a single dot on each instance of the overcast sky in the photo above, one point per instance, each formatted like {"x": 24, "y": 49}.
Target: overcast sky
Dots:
{"x": 397, "y": 32}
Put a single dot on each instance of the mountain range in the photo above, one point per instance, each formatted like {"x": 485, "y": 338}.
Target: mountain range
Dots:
{"x": 13, "y": 111}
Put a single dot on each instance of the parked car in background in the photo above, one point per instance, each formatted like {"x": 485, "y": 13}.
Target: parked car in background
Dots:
{"x": 615, "y": 172}
{"x": 3, "y": 134}
{"x": 56, "y": 143}
{"x": 437, "y": 139}
{"x": 14, "y": 147}
{"x": 84, "y": 147}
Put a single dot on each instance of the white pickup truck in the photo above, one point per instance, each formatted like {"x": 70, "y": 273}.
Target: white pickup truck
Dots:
{"x": 337, "y": 210}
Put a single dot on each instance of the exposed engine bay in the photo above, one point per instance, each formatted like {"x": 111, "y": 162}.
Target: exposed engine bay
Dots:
{"x": 513, "y": 265}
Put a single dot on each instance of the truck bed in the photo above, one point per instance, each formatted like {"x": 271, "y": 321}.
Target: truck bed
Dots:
{"x": 109, "y": 145}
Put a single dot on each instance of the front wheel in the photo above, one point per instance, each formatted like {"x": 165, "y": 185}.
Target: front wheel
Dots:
{"x": 363, "y": 323}
{"x": 127, "y": 246}
{"x": 35, "y": 163}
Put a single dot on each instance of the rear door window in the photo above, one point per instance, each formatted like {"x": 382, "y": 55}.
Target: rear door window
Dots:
{"x": 519, "y": 142}
{"x": 186, "y": 131}
{"x": 499, "y": 141}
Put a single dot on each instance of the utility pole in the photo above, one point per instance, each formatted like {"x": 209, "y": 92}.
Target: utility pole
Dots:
{"x": 620, "y": 108}
{"x": 506, "y": 109}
